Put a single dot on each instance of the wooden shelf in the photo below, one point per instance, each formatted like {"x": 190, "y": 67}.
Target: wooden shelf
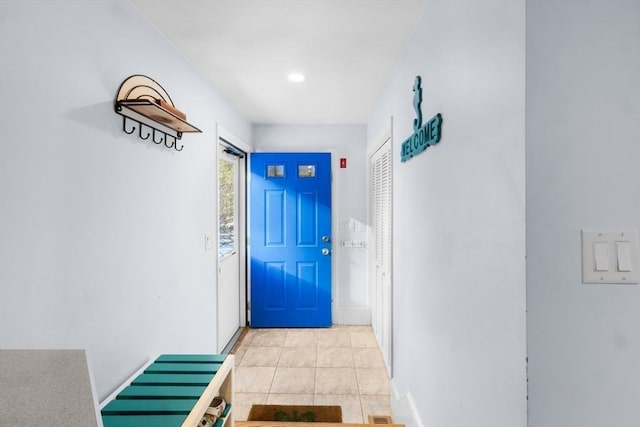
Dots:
{"x": 155, "y": 112}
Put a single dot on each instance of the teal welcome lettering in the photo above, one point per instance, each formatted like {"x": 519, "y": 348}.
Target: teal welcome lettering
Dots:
{"x": 427, "y": 135}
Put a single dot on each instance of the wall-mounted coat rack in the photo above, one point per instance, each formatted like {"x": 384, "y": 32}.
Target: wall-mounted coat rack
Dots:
{"x": 148, "y": 107}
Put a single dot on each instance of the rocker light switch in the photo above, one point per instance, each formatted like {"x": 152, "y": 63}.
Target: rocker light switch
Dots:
{"x": 623, "y": 250}
{"x": 610, "y": 257}
{"x": 600, "y": 256}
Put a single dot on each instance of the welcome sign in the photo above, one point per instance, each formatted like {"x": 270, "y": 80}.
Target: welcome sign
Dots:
{"x": 423, "y": 135}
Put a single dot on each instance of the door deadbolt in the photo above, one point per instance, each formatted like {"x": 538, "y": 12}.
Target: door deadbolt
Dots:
{"x": 325, "y": 238}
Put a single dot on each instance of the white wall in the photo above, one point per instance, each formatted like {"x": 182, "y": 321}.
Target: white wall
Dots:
{"x": 459, "y": 217}
{"x": 583, "y": 127}
{"x": 350, "y": 188}
{"x": 101, "y": 233}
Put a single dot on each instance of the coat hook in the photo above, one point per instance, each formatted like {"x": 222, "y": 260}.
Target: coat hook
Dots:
{"x": 154, "y": 138}
{"x": 124, "y": 126}
{"x": 167, "y": 140}
{"x": 174, "y": 144}
{"x": 144, "y": 137}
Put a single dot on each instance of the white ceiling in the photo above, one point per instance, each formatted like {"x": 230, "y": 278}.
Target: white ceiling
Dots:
{"x": 346, "y": 49}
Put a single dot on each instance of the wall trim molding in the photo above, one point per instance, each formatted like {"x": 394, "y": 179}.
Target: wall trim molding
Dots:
{"x": 404, "y": 408}
{"x": 353, "y": 316}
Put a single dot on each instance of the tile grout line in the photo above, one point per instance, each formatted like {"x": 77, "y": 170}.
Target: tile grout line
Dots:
{"x": 275, "y": 369}
{"x": 315, "y": 368}
{"x": 355, "y": 372}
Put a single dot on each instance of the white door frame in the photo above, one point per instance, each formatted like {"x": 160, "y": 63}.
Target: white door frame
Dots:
{"x": 224, "y": 136}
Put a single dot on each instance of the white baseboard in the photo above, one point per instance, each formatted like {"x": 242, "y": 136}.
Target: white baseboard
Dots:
{"x": 404, "y": 409}
{"x": 352, "y": 316}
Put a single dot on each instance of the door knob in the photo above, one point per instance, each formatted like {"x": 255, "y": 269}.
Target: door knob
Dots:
{"x": 325, "y": 251}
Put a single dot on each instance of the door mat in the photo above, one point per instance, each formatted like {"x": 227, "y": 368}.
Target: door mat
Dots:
{"x": 296, "y": 413}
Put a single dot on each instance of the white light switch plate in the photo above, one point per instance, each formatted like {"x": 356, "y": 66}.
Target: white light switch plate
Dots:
{"x": 604, "y": 245}
{"x": 208, "y": 241}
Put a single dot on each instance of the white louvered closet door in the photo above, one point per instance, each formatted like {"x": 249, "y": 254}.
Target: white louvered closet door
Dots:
{"x": 381, "y": 215}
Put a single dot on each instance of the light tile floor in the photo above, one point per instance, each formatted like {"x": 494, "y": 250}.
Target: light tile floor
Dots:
{"x": 341, "y": 365}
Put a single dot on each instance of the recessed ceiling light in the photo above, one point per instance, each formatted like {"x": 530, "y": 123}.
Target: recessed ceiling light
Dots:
{"x": 296, "y": 77}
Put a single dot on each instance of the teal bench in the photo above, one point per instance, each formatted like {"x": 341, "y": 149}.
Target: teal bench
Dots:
{"x": 174, "y": 390}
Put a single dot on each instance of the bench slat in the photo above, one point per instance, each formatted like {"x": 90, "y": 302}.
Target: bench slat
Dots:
{"x": 143, "y": 420}
{"x": 161, "y": 392}
{"x": 173, "y": 379}
{"x": 183, "y": 368}
{"x": 149, "y": 407}
{"x": 191, "y": 358}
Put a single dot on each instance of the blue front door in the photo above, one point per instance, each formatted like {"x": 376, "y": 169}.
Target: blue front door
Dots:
{"x": 290, "y": 239}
